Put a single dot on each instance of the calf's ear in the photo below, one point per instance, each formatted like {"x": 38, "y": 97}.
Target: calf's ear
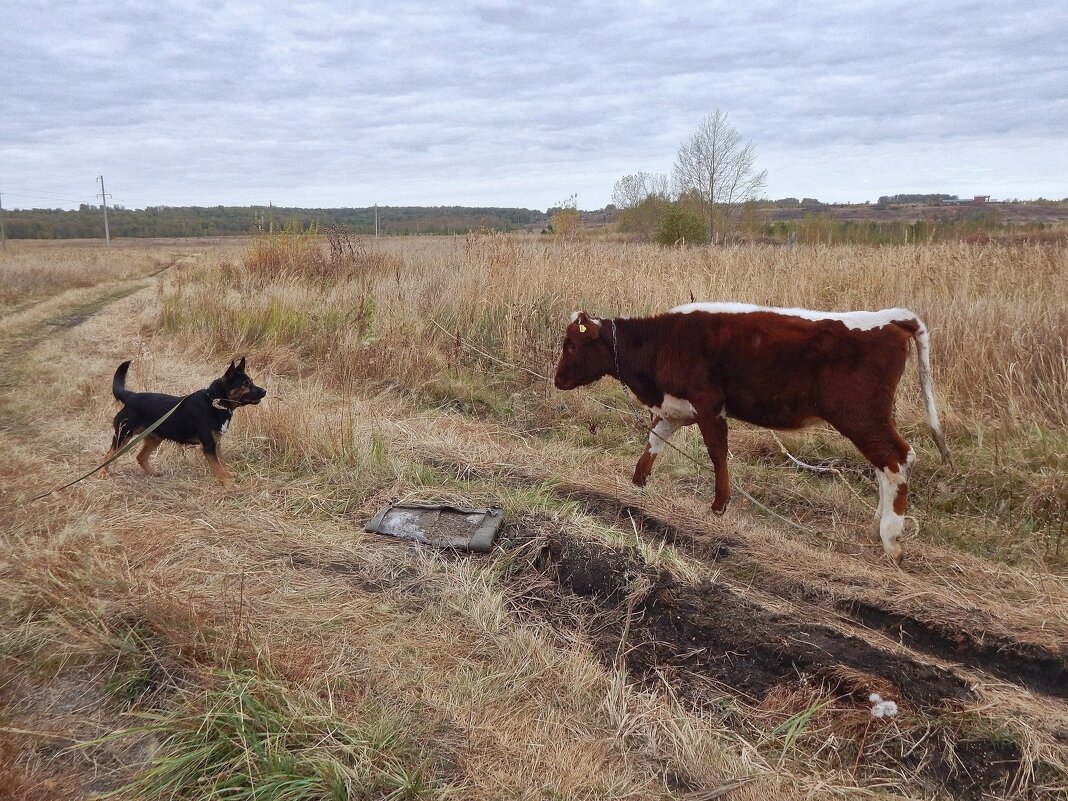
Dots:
{"x": 590, "y": 329}
{"x": 587, "y": 327}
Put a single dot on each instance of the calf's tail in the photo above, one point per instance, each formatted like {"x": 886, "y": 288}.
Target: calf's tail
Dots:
{"x": 923, "y": 360}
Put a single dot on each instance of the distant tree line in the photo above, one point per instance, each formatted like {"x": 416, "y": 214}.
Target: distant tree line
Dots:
{"x": 794, "y": 203}
{"x": 979, "y": 227}
{"x": 87, "y": 221}
{"x": 713, "y": 195}
{"x": 887, "y": 200}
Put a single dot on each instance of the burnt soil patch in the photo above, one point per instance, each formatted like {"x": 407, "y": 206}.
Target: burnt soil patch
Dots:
{"x": 1030, "y": 665}
{"x": 660, "y": 628}
{"x": 975, "y": 769}
{"x": 710, "y": 630}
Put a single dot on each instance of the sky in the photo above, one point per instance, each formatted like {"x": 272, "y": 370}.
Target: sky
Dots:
{"x": 525, "y": 104}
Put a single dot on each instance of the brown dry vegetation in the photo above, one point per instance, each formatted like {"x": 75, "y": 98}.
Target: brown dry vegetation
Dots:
{"x": 164, "y": 637}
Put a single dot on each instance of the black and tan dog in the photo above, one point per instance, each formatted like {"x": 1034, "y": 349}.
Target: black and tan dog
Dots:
{"x": 201, "y": 419}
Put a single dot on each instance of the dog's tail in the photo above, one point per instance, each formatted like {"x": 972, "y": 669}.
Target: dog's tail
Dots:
{"x": 118, "y": 383}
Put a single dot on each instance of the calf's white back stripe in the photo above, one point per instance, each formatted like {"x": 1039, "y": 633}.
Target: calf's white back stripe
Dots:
{"x": 857, "y": 320}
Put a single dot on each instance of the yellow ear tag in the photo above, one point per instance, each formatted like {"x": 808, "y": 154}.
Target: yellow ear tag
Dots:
{"x": 582, "y": 329}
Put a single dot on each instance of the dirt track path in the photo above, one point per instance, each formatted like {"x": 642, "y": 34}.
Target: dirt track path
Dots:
{"x": 22, "y": 335}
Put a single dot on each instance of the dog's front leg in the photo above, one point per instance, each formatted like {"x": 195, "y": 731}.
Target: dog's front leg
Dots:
{"x": 117, "y": 441}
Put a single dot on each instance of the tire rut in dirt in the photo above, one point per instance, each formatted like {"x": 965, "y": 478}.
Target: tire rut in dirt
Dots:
{"x": 1030, "y": 665}
{"x": 17, "y": 343}
{"x": 16, "y": 346}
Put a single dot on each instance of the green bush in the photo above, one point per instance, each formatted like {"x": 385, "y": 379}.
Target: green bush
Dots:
{"x": 679, "y": 226}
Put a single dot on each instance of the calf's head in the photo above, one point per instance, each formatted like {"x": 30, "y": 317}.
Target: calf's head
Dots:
{"x": 586, "y": 356}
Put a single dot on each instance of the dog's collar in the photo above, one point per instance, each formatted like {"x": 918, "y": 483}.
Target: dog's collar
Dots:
{"x": 218, "y": 403}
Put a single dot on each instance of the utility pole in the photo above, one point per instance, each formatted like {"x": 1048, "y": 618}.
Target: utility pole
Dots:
{"x": 104, "y": 200}
{"x": 376, "y": 219}
{"x": 3, "y": 238}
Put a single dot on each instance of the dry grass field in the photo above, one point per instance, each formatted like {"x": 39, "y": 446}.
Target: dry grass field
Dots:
{"x": 165, "y": 638}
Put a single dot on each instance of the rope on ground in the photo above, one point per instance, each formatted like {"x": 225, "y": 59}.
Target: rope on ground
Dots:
{"x": 804, "y": 465}
{"x": 481, "y": 352}
{"x": 124, "y": 449}
{"x": 819, "y": 469}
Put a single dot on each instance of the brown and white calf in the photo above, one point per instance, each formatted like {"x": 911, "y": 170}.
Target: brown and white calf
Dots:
{"x": 777, "y": 368}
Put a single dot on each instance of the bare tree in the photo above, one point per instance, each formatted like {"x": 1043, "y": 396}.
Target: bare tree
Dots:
{"x": 630, "y": 190}
{"x": 719, "y": 169}
{"x": 640, "y": 198}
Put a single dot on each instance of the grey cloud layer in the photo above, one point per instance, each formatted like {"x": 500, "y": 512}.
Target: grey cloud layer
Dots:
{"x": 518, "y": 103}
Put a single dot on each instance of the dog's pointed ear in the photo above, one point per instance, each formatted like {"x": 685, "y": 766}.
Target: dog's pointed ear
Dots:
{"x": 241, "y": 364}
{"x": 230, "y": 370}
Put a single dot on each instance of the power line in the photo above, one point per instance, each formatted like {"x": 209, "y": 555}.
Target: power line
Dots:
{"x": 118, "y": 201}
{"x": 46, "y": 197}
{"x": 47, "y": 194}
{"x": 47, "y": 191}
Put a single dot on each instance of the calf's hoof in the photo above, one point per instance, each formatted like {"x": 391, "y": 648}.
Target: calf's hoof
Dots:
{"x": 895, "y": 553}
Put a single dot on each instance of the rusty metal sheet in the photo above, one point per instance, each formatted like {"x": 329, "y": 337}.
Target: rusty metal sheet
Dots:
{"x": 440, "y": 525}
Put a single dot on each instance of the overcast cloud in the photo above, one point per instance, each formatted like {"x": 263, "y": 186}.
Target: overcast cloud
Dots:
{"x": 522, "y": 104}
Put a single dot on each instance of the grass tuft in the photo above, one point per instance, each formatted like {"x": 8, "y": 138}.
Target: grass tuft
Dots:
{"x": 250, "y": 739}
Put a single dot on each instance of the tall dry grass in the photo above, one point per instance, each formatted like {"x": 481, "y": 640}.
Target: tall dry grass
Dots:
{"x": 998, "y": 315}
{"x": 442, "y": 319}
